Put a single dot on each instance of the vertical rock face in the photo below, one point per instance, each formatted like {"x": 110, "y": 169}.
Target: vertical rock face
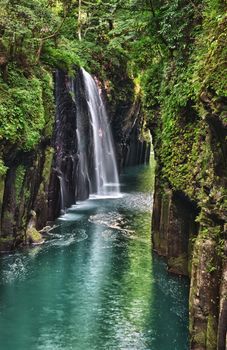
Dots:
{"x": 136, "y": 150}
{"x": 189, "y": 223}
{"x": 173, "y": 228}
{"x": 204, "y": 294}
{"x": 62, "y": 186}
{"x": 25, "y": 189}
{"x": 124, "y": 106}
{"x": 49, "y": 178}
{"x": 198, "y": 251}
{"x": 222, "y": 321}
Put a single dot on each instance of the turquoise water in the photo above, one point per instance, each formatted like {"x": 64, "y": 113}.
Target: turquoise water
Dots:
{"x": 95, "y": 283}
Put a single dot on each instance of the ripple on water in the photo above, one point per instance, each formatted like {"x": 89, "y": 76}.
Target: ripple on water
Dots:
{"x": 139, "y": 201}
{"x": 117, "y": 227}
{"x": 93, "y": 295}
{"x": 111, "y": 219}
{"x": 66, "y": 239}
{"x": 16, "y": 268}
{"x": 109, "y": 235}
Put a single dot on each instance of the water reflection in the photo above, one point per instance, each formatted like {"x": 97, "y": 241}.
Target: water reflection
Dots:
{"x": 95, "y": 284}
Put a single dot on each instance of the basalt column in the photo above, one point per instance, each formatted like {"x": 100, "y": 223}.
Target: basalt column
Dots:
{"x": 62, "y": 188}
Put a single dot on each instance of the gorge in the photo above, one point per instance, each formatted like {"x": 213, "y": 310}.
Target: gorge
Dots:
{"x": 155, "y": 68}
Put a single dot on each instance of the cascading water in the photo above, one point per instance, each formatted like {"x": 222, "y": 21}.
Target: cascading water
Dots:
{"x": 85, "y": 160}
{"x": 83, "y": 185}
{"x": 106, "y": 174}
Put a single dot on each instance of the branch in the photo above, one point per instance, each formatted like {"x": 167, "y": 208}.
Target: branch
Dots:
{"x": 152, "y": 8}
{"x": 157, "y": 25}
{"x": 57, "y": 30}
{"x": 53, "y": 35}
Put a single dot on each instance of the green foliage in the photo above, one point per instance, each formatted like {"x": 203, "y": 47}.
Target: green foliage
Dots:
{"x": 200, "y": 338}
{"x": 3, "y": 168}
{"x": 22, "y": 25}
{"x": 48, "y": 102}
{"x": 172, "y": 84}
{"x": 151, "y": 84}
{"x": 174, "y": 51}
{"x": 211, "y": 332}
{"x": 21, "y": 109}
{"x": 19, "y": 181}
{"x": 65, "y": 56}
{"x": 210, "y": 54}
{"x": 47, "y": 165}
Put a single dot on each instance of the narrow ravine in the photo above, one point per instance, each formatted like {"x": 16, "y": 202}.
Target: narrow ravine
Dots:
{"x": 95, "y": 283}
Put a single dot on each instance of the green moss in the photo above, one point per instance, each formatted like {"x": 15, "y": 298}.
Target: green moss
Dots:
{"x": 33, "y": 236}
{"x": 8, "y": 221}
{"x": 210, "y": 55}
{"x": 27, "y": 194}
{"x": 19, "y": 181}
{"x": 42, "y": 193}
{"x": 62, "y": 57}
{"x": 211, "y": 343}
{"x": 6, "y": 242}
{"x": 200, "y": 339}
{"x": 2, "y": 188}
{"x": 8, "y": 216}
{"x": 5, "y": 239}
{"x": 178, "y": 97}
{"x": 21, "y": 109}
{"x": 196, "y": 250}
{"x": 49, "y": 153}
{"x": 48, "y": 102}
{"x": 26, "y": 107}
{"x": 3, "y": 168}
{"x": 211, "y": 266}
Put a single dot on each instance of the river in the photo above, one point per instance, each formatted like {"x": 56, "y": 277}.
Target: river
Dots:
{"x": 95, "y": 283}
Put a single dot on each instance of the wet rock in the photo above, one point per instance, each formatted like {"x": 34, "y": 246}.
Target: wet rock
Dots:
{"x": 173, "y": 227}
{"x": 204, "y": 294}
{"x": 33, "y": 236}
{"x": 25, "y": 187}
{"x": 135, "y": 148}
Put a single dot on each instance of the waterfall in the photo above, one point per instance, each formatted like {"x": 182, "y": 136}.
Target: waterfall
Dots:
{"x": 63, "y": 193}
{"x": 85, "y": 160}
{"x": 105, "y": 181}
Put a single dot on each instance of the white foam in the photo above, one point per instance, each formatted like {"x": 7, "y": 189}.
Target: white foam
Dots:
{"x": 70, "y": 217}
{"x": 109, "y": 196}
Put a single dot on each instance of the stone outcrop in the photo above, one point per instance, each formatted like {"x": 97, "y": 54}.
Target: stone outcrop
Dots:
{"x": 135, "y": 147}
{"x": 47, "y": 179}
{"x": 174, "y": 228}
{"x": 25, "y": 188}
{"x": 33, "y": 236}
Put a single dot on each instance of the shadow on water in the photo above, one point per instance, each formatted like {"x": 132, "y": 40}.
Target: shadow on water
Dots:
{"x": 95, "y": 284}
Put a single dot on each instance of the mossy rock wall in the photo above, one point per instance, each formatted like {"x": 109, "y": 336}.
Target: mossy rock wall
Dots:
{"x": 204, "y": 293}
{"x": 27, "y": 115}
{"x": 25, "y": 189}
{"x": 30, "y": 173}
{"x": 174, "y": 228}
{"x": 188, "y": 123}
